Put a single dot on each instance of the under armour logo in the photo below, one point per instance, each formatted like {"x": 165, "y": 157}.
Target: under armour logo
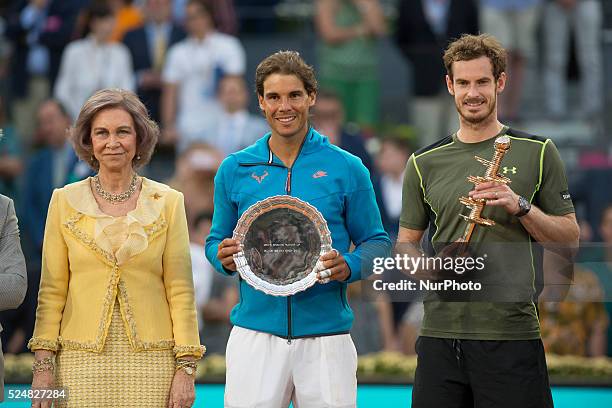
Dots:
{"x": 509, "y": 169}
{"x": 319, "y": 174}
{"x": 259, "y": 178}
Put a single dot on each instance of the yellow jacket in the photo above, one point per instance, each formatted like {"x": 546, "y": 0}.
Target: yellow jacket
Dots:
{"x": 150, "y": 273}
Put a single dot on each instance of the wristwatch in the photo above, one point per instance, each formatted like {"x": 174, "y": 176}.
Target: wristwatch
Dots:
{"x": 524, "y": 207}
{"x": 189, "y": 371}
{"x": 188, "y": 366}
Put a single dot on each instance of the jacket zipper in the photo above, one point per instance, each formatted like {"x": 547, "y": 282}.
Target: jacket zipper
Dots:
{"x": 288, "y": 319}
{"x": 288, "y": 191}
{"x": 288, "y": 183}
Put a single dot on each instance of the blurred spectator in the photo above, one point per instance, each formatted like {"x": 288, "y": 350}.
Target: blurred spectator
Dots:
{"x": 584, "y": 18}
{"x": 410, "y": 326}
{"x": 591, "y": 193}
{"x": 215, "y": 294}
{"x": 424, "y": 28}
{"x": 348, "y": 58}
{"x": 178, "y": 11}
{"x": 223, "y": 11}
{"x": 586, "y": 232}
{"x": 93, "y": 63}
{"x": 203, "y": 272}
{"x": 257, "y": 16}
{"x": 234, "y": 128}
{"x": 10, "y": 156}
{"x": 224, "y": 16}
{"x": 194, "y": 177}
{"x": 148, "y": 46}
{"x": 5, "y": 53}
{"x": 329, "y": 119}
{"x": 127, "y": 17}
{"x": 604, "y": 271}
{"x": 38, "y": 30}
{"x": 53, "y": 166}
{"x": 578, "y": 325}
{"x": 598, "y": 259}
{"x": 372, "y": 329}
{"x": 391, "y": 161}
{"x": 513, "y": 23}
{"x": 192, "y": 73}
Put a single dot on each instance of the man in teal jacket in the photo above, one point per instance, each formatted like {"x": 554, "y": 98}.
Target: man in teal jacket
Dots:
{"x": 295, "y": 347}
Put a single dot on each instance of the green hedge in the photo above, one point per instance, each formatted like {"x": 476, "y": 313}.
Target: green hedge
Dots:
{"x": 379, "y": 367}
{"x": 562, "y": 369}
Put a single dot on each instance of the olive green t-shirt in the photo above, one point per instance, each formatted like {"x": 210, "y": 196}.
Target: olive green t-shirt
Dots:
{"x": 435, "y": 178}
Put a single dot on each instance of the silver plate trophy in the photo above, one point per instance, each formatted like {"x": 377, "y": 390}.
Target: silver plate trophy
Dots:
{"x": 281, "y": 240}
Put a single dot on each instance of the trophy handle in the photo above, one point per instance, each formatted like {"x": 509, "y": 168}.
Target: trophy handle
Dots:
{"x": 502, "y": 145}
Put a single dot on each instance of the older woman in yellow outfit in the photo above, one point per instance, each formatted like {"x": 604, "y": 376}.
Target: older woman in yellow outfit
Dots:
{"x": 116, "y": 319}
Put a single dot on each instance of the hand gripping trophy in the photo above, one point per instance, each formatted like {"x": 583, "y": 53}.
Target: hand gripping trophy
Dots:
{"x": 502, "y": 145}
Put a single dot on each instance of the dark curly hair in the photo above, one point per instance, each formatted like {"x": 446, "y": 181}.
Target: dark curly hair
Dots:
{"x": 469, "y": 47}
{"x": 285, "y": 63}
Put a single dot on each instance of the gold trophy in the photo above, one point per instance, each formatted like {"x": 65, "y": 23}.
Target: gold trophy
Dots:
{"x": 502, "y": 145}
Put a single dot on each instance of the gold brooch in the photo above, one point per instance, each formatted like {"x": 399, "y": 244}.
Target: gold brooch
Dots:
{"x": 156, "y": 196}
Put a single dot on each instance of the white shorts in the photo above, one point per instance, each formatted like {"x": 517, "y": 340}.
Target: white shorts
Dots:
{"x": 265, "y": 371}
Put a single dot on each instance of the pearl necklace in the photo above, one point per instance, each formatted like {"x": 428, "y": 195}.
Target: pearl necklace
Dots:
{"x": 115, "y": 198}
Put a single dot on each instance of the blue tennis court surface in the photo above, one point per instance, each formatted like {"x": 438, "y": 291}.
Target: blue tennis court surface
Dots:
{"x": 382, "y": 396}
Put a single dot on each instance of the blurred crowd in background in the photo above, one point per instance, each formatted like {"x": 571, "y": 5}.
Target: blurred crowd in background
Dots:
{"x": 381, "y": 96}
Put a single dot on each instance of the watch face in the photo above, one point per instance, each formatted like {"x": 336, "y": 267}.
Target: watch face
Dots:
{"x": 524, "y": 206}
{"x": 189, "y": 370}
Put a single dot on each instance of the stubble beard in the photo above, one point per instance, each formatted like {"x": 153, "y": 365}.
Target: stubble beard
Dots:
{"x": 478, "y": 120}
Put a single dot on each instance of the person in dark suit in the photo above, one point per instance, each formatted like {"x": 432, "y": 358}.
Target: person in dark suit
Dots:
{"x": 328, "y": 116}
{"x": 424, "y": 29}
{"x": 148, "y": 45}
{"x": 52, "y": 166}
{"x": 13, "y": 277}
{"x": 38, "y": 31}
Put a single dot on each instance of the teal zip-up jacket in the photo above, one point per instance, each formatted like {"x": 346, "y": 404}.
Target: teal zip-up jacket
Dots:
{"x": 338, "y": 185}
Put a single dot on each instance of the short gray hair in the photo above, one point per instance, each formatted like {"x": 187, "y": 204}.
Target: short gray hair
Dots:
{"x": 147, "y": 131}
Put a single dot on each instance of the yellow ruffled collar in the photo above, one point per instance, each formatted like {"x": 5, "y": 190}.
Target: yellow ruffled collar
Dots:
{"x": 148, "y": 210}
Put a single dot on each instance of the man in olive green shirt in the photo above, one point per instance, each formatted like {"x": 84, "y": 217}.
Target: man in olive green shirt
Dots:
{"x": 486, "y": 352}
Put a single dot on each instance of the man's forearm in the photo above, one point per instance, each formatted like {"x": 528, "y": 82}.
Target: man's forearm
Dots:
{"x": 551, "y": 229}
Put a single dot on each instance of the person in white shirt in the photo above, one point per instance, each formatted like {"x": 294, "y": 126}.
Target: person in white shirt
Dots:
{"x": 203, "y": 271}
{"x": 234, "y": 127}
{"x": 395, "y": 149}
{"x": 93, "y": 63}
{"x": 192, "y": 73}
{"x": 215, "y": 295}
